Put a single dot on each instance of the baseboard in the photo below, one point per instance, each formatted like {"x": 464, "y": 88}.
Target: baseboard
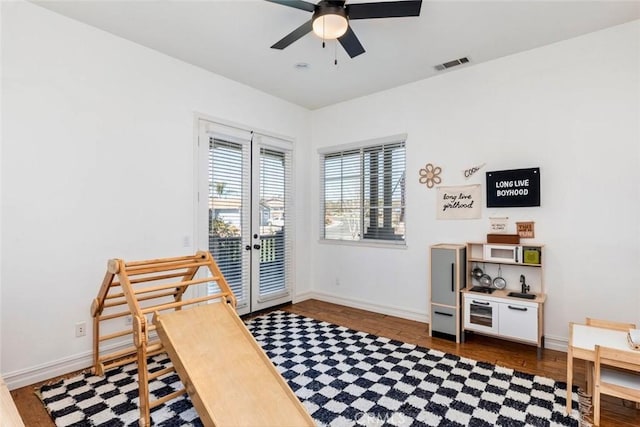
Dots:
{"x": 56, "y": 368}
{"x": 302, "y": 297}
{"x": 550, "y": 342}
{"x": 45, "y": 371}
{"x": 556, "y": 343}
{"x": 81, "y": 361}
{"x": 369, "y": 306}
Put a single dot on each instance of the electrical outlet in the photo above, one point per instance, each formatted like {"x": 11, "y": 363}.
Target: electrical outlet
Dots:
{"x": 81, "y": 329}
{"x": 186, "y": 241}
{"x": 128, "y": 320}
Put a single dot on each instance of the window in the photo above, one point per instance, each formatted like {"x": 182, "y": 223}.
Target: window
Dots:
{"x": 363, "y": 191}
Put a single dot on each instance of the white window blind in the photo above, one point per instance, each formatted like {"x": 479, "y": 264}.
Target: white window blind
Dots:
{"x": 229, "y": 218}
{"x": 363, "y": 192}
{"x": 276, "y": 201}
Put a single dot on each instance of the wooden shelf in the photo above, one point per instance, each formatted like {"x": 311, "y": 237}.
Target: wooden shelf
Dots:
{"x": 482, "y": 260}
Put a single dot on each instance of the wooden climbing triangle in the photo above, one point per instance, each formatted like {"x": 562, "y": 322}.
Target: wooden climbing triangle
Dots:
{"x": 229, "y": 378}
{"x": 133, "y": 292}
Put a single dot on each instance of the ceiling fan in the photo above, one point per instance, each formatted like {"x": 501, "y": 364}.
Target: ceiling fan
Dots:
{"x": 330, "y": 20}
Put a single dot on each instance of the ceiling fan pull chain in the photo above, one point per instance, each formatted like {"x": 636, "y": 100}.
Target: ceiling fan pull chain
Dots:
{"x": 335, "y": 53}
{"x": 323, "y": 32}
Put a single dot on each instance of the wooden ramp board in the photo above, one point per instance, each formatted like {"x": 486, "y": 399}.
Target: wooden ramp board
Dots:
{"x": 229, "y": 378}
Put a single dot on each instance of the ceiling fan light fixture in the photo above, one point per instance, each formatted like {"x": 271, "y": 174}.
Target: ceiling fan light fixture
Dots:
{"x": 330, "y": 22}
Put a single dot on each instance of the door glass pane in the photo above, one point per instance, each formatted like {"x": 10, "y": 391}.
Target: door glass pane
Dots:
{"x": 272, "y": 222}
{"x": 226, "y": 215}
{"x": 481, "y": 315}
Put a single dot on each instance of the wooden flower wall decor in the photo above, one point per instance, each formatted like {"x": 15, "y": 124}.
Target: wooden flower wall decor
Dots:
{"x": 430, "y": 175}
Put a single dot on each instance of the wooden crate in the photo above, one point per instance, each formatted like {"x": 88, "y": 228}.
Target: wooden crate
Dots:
{"x": 503, "y": 238}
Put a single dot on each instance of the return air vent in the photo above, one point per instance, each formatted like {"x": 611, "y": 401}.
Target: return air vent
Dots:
{"x": 450, "y": 64}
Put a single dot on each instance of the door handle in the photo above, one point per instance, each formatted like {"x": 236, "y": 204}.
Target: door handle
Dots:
{"x": 256, "y": 246}
{"x": 443, "y": 314}
{"x": 247, "y": 248}
{"x": 453, "y": 269}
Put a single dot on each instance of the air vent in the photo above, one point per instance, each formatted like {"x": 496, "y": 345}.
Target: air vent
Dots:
{"x": 450, "y": 64}
{"x": 302, "y": 66}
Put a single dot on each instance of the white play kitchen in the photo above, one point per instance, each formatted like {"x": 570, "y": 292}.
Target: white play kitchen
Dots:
{"x": 493, "y": 288}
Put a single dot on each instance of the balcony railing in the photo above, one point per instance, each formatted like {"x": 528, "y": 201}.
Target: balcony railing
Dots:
{"x": 227, "y": 251}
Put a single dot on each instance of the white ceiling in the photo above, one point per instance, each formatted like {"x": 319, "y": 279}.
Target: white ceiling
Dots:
{"x": 233, "y": 39}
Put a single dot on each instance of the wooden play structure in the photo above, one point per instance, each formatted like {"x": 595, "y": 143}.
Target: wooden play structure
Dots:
{"x": 183, "y": 306}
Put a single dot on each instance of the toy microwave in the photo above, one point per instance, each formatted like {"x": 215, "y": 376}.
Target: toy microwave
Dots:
{"x": 512, "y": 254}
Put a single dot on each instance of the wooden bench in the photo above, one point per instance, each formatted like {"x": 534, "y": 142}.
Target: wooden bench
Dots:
{"x": 9, "y": 416}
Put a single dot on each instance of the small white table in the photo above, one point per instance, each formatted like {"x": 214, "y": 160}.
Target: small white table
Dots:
{"x": 582, "y": 345}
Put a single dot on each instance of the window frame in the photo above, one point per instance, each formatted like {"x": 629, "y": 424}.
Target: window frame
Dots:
{"x": 361, "y": 149}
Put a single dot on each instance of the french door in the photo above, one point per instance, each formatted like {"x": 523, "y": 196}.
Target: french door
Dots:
{"x": 245, "y": 217}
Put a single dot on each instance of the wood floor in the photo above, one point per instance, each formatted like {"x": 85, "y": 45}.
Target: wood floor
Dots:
{"x": 553, "y": 364}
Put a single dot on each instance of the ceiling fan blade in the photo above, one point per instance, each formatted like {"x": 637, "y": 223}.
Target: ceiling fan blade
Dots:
{"x": 294, "y": 35}
{"x": 298, "y": 4}
{"x": 390, "y": 9}
{"x": 351, "y": 44}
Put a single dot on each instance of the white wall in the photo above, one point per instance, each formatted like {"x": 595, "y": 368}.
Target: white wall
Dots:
{"x": 97, "y": 163}
{"x": 1, "y": 105}
{"x": 572, "y": 109}
{"x": 97, "y": 146}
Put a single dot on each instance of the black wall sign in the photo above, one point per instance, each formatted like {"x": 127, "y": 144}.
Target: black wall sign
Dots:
{"x": 513, "y": 188}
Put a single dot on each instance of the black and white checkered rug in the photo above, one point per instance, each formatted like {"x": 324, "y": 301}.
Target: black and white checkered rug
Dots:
{"x": 344, "y": 378}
